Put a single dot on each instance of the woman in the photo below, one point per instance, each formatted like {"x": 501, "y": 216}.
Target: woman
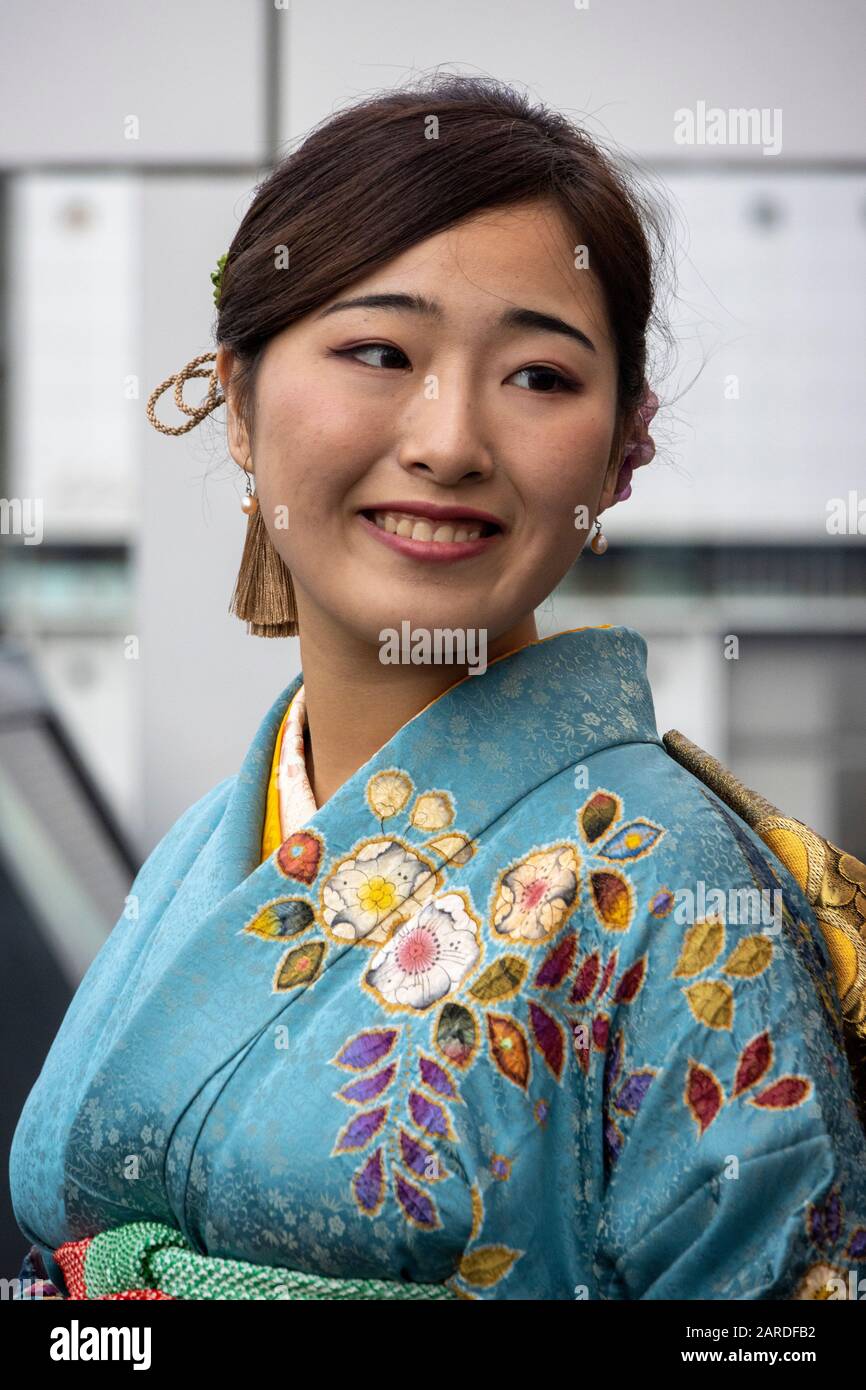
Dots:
{"x": 447, "y": 991}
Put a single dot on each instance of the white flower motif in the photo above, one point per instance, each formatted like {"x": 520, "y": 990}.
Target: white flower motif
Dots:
{"x": 536, "y": 896}
{"x": 388, "y": 792}
{"x": 822, "y": 1281}
{"x": 428, "y": 957}
{"x": 432, "y": 811}
{"x": 365, "y": 897}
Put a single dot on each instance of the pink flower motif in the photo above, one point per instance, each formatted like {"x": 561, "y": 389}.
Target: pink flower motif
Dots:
{"x": 641, "y": 448}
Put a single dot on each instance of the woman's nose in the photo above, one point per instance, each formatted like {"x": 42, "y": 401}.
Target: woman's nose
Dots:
{"x": 444, "y": 437}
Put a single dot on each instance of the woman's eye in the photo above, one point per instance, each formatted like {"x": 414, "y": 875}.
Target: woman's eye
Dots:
{"x": 374, "y": 347}
{"x": 551, "y": 380}
{"x": 546, "y": 379}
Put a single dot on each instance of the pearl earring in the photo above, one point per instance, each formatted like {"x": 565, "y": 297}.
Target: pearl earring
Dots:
{"x": 598, "y": 544}
{"x": 249, "y": 502}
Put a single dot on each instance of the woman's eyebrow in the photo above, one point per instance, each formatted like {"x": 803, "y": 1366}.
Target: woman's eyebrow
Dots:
{"x": 419, "y": 304}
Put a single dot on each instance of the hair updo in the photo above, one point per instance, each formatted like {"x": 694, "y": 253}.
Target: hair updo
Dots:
{"x": 400, "y": 166}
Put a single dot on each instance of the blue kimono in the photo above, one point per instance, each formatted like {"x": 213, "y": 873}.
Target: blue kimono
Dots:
{"x": 523, "y": 1007}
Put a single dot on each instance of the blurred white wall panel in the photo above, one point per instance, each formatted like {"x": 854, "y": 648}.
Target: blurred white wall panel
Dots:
{"x": 80, "y": 77}
{"x": 74, "y": 278}
{"x": 627, "y": 65}
{"x": 770, "y": 315}
{"x": 799, "y": 729}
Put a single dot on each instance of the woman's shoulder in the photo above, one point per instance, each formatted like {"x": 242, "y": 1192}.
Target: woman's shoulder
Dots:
{"x": 188, "y": 834}
{"x": 208, "y": 807}
{"x": 640, "y": 785}
{"x": 637, "y": 806}
{"x": 690, "y": 897}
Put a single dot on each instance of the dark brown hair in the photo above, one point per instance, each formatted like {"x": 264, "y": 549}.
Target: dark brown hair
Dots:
{"x": 368, "y": 182}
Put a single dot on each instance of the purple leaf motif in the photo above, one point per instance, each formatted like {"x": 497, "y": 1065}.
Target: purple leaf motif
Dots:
{"x": 369, "y": 1184}
{"x": 417, "y": 1156}
{"x": 368, "y": 1088}
{"x": 428, "y": 1116}
{"x": 366, "y": 1049}
{"x": 419, "y": 1208}
{"x": 437, "y": 1078}
{"x": 633, "y": 1092}
{"x": 359, "y": 1131}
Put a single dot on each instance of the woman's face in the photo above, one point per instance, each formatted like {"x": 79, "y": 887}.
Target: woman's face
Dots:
{"x": 499, "y": 396}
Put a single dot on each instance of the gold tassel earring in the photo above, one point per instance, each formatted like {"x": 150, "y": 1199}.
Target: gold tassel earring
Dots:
{"x": 264, "y": 596}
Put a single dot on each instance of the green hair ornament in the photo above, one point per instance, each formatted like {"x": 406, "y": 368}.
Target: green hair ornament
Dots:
{"x": 217, "y": 278}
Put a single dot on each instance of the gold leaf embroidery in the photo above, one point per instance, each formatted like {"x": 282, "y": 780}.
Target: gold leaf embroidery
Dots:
{"x": 702, "y": 944}
{"x": 711, "y": 1002}
{"x": 503, "y": 978}
{"x": 750, "y": 956}
{"x": 486, "y": 1266}
{"x": 300, "y": 966}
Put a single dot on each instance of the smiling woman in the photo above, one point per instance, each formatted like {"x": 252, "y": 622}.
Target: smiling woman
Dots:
{"x": 404, "y": 1008}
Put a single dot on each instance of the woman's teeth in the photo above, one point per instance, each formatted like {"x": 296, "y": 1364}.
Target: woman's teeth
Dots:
{"x": 420, "y": 528}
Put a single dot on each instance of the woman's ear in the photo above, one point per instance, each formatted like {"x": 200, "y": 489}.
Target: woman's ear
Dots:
{"x": 238, "y": 439}
{"x": 614, "y": 464}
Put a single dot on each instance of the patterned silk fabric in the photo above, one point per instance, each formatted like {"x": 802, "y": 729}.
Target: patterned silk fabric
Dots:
{"x": 523, "y": 1008}
{"x": 290, "y": 800}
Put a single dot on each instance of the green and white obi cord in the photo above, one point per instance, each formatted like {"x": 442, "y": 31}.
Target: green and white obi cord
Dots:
{"x": 151, "y": 1255}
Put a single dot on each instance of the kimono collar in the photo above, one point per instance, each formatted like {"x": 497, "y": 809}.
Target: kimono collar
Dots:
{"x": 533, "y": 712}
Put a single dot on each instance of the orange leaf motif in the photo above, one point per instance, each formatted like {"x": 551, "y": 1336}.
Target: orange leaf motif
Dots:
{"x": 509, "y": 1048}
{"x": 613, "y": 898}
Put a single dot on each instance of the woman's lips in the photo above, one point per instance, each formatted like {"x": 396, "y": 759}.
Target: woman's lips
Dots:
{"x": 441, "y": 552}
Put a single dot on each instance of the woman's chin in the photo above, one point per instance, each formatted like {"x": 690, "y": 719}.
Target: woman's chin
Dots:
{"x": 385, "y": 620}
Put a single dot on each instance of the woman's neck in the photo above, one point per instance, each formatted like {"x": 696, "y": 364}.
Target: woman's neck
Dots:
{"x": 355, "y": 703}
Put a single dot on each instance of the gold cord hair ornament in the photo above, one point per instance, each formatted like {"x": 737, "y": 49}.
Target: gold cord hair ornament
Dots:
{"x": 197, "y": 413}
{"x": 263, "y": 596}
